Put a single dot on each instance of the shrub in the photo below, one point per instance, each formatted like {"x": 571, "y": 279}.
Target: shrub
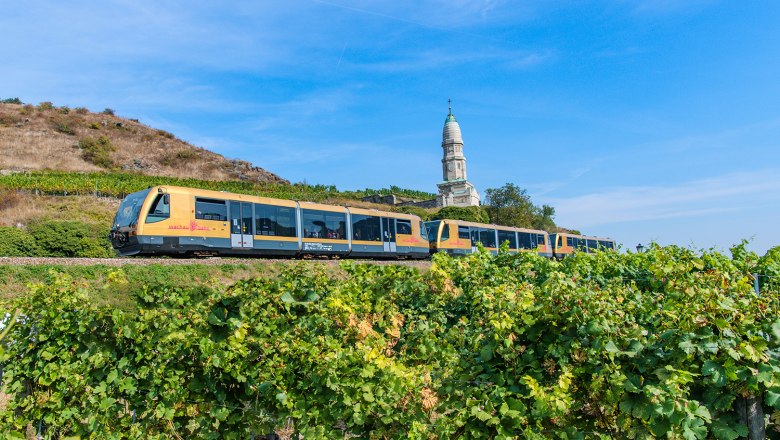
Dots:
{"x": 81, "y": 110}
{"x": 8, "y": 120}
{"x": 166, "y": 134}
{"x": 108, "y": 111}
{"x": 11, "y": 101}
{"x": 94, "y": 125}
{"x": 467, "y": 213}
{"x": 64, "y": 109}
{"x": 26, "y": 109}
{"x": 63, "y": 127}
{"x": 68, "y": 238}
{"x": 16, "y": 242}
{"x": 97, "y": 151}
{"x": 46, "y": 105}
{"x": 9, "y": 199}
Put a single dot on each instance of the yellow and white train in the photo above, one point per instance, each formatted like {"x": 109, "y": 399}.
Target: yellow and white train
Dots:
{"x": 171, "y": 220}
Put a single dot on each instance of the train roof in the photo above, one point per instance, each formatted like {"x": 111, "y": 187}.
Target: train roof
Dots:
{"x": 227, "y": 195}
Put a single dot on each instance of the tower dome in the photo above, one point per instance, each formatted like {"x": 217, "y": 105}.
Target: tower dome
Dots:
{"x": 451, "y": 133}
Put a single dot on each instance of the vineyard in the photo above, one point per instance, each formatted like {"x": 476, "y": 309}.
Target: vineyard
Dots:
{"x": 666, "y": 343}
{"x": 120, "y": 184}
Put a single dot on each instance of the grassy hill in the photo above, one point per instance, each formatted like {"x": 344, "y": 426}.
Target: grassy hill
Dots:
{"x": 60, "y": 138}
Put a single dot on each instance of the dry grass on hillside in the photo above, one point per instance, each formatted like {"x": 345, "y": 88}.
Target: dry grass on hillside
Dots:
{"x": 35, "y": 138}
{"x": 21, "y": 208}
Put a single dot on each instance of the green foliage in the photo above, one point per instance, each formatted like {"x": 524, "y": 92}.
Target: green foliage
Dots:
{"x": 467, "y": 213}
{"x": 15, "y": 242}
{"x": 81, "y": 110}
{"x": 97, "y": 151}
{"x": 415, "y": 210}
{"x": 116, "y": 184}
{"x": 70, "y": 239}
{"x": 165, "y": 134}
{"x": 108, "y": 111}
{"x": 46, "y": 105}
{"x": 511, "y": 206}
{"x": 604, "y": 345}
{"x": 11, "y": 101}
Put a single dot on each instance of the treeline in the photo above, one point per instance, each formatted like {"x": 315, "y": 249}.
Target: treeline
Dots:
{"x": 668, "y": 343}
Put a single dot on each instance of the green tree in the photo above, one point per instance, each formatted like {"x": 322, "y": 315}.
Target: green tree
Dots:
{"x": 511, "y": 205}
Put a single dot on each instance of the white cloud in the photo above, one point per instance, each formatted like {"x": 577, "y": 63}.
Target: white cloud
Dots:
{"x": 720, "y": 194}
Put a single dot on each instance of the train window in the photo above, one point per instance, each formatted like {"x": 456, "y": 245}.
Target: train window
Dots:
{"x": 160, "y": 210}
{"x": 540, "y": 239}
{"x": 609, "y": 245}
{"x": 463, "y": 232}
{"x": 507, "y": 236}
{"x": 592, "y": 245}
{"x": 210, "y": 209}
{"x": 487, "y": 237}
{"x": 525, "y": 240}
{"x": 559, "y": 240}
{"x": 581, "y": 243}
{"x": 571, "y": 241}
{"x": 324, "y": 224}
{"x": 275, "y": 220}
{"x": 365, "y": 228}
{"x": 403, "y": 226}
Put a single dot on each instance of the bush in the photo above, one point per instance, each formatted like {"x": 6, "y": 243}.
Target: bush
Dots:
{"x": 166, "y": 134}
{"x": 466, "y": 213}
{"x": 108, "y": 111}
{"x": 66, "y": 238}
{"x": 26, "y": 109}
{"x": 16, "y": 242}
{"x": 11, "y": 101}
{"x": 64, "y": 127}
{"x": 94, "y": 125}
{"x": 46, "y": 105}
{"x": 97, "y": 151}
{"x": 64, "y": 109}
{"x": 81, "y": 110}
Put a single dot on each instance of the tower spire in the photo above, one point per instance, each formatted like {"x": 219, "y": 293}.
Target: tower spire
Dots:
{"x": 449, "y": 102}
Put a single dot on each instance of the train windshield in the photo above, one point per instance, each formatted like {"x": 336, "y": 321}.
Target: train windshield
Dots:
{"x": 129, "y": 209}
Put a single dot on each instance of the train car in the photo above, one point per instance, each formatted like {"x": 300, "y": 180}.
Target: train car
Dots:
{"x": 169, "y": 220}
{"x": 564, "y": 244}
{"x": 458, "y": 237}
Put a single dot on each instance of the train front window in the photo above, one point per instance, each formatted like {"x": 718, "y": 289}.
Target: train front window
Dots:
{"x": 129, "y": 209}
{"x": 160, "y": 209}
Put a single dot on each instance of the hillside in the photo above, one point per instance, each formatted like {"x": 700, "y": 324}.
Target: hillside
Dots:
{"x": 59, "y": 138}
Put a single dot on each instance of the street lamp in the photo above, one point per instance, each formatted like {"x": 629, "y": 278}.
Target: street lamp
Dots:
{"x": 640, "y": 248}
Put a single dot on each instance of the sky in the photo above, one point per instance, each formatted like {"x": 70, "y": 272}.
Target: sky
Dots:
{"x": 641, "y": 120}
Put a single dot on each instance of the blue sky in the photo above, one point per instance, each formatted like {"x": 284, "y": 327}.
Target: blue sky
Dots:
{"x": 640, "y": 120}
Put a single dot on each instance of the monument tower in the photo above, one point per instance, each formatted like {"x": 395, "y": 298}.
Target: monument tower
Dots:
{"x": 455, "y": 190}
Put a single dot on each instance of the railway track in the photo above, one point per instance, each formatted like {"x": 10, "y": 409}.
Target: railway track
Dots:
{"x": 166, "y": 261}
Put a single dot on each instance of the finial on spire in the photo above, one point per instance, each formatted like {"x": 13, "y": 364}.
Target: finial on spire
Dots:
{"x": 449, "y": 102}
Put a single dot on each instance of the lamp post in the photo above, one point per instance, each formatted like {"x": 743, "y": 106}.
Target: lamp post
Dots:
{"x": 640, "y": 248}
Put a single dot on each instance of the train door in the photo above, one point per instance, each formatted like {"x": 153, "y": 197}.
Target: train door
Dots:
{"x": 241, "y": 225}
{"x": 388, "y": 234}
